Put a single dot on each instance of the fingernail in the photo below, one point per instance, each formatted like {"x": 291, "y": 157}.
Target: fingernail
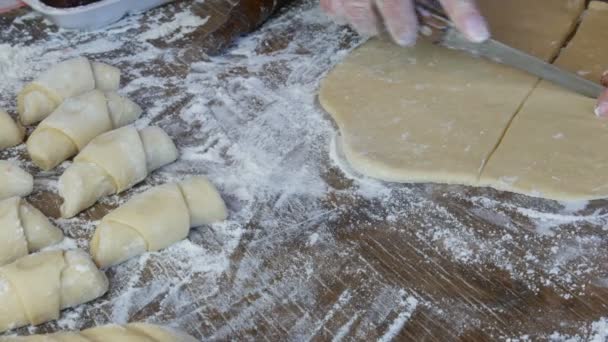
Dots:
{"x": 601, "y": 110}
{"x": 476, "y": 29}
{"x": 407, "y": 39}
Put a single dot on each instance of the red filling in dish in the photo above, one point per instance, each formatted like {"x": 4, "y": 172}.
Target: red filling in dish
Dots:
{"x": 68, "y": 3}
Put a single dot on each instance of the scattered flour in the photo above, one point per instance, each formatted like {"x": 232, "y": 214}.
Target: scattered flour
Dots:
{"x": 183, "y": 23}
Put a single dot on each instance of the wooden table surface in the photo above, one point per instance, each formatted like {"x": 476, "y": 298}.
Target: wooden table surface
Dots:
{"x": 310, "y": 252}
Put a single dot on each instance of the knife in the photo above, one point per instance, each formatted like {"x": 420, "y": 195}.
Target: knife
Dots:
{"x": 440, "y": 30}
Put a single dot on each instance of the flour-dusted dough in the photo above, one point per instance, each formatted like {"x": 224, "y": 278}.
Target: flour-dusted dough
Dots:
{"x": 553, "y": 148}
{"x": 23, "y": 230}
{"x": 14, "y": 181}
{"x": 75, "y": 123}
{"x": 430, "y": 114}
{"x": 37, "y": 287}
{"x": 112, "y": 163}
{"x": 11, "y": 132}
{"x": 64, "y": 80}
{"x": 133, "y": 332}
{"x": 156, "y": 219}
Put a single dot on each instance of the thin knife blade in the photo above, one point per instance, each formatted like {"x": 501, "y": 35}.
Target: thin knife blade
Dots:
{"x": 505, "y": 54}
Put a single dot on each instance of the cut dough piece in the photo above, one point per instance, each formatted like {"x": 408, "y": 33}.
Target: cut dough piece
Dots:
{"x": 134, "y": 332}
{"x": 36, "y": 287}
{"x": 587, "y": 53}
{"x": 64, "y": 80}
{"x": 14, "y": 181}
{"x": 23, "y": 230}
{"x": 430, "y": 114}
{"x": 75, "y": 123}
{"x": 523, "y": 24}
{"x": 551, "y": 149}
{"x": 112, "y": 163}
{"x": 156, "y": 219}
{"x": 11, "y": 133}
{"x": 426, "y": 114}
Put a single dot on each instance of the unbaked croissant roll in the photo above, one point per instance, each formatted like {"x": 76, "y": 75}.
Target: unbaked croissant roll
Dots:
{"x": 75, "y": 123}
{"x": 112, "y": 163}
{"x": 11, "y": 133}
{"x": 64, "y": 80}
{"x": 14, "y": 181}
{"x": 134, "y": 332}
{"x": 24, "y": 230}
{"x": 156, "y": 219}
{"x": 35, "y": 288}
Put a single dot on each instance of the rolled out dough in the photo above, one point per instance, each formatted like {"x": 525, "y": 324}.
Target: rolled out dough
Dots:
{"x": 429, "y": 114}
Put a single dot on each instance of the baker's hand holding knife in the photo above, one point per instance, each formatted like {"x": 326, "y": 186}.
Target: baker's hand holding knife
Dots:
{"x": 400, "y": 19}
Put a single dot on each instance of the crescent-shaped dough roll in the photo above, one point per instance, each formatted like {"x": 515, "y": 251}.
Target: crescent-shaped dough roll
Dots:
{"x": 156, "y": 219}
{"x": 35, "y": 288}
{"x": 64, "y": 80}
{"x": 112, "y": 163}
{"x": 76, "y": 122}
{"x": 133, "y": 332}
{"x": 24, "y": 230}
{"x": 11, "y": 132}
{"x": 14, "y": 181}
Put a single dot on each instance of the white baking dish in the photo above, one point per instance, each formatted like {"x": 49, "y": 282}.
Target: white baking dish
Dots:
{"x": 95, "y": 15}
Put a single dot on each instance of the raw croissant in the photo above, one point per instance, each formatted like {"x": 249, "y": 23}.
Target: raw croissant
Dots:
{"x": 134, "y": 332}
{"x": 14, "y": 181}
{"x": 111, "y": 163}
{"x": 156, "y": 219}
{"x": 64, "y": 80}
{"x": 23, "y": 230}
{"x": 75, "y": 123}
{"x": 35, "y": 288}
{"x": 11, "y": 133}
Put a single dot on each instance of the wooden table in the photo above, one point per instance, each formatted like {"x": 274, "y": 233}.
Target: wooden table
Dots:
{"x": 310, "y": 253}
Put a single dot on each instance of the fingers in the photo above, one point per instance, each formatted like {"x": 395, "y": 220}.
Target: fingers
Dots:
{"x": 400, "y": 20}
{"x": 467, "y": 19}
{"x": 333, "y": 8}
{"x": 601, "y": 109}
{"x": 360, "y": 14}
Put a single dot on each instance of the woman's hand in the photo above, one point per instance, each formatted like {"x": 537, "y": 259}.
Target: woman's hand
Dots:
{"x": 399, "y": 17}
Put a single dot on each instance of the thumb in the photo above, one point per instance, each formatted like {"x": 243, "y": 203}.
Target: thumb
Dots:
{"x": 601, "y": 109}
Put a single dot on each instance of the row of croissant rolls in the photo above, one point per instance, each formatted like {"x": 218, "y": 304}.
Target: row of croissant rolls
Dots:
{"x": 81, "y": 115}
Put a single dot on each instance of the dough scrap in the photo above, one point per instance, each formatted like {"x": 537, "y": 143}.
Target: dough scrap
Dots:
{"x": 23, "y": 230}
{"x": 112, "y": 163}
{"x": 64, "y": 80}
{"x": 76, "y": 122}
{"x": 133, "y": 332}
{"x": 156, "y": 219}
{"x": 11, "y": 132}
{"x": 35, "y": 288}
{"x": 429, "y": 114}
{"x": 551, "y": 148}
{"x": 14, "y": 181}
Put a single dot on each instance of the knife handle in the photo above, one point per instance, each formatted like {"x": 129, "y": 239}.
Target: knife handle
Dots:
{"x": 434, "y": 23}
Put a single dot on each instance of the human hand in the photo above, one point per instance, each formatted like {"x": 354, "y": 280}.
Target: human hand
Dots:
{"x": 602, "y": 105}
{"x": 400, "y": 19}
